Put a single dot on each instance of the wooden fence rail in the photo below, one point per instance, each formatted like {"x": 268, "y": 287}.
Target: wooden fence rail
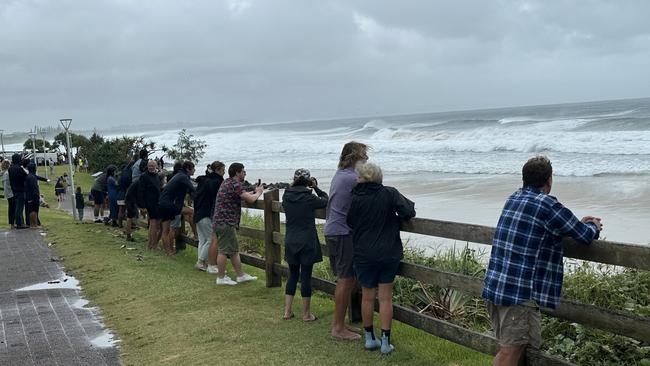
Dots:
{"x": 620, "y": 254}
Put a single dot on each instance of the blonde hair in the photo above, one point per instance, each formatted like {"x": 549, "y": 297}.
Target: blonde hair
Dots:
{"x": 5, "y": 164}
{"x": 352, "y": 153}
{"x": 370, "y": 172}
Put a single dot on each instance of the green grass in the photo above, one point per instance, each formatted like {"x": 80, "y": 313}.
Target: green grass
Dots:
{"x": 167, "y": 313}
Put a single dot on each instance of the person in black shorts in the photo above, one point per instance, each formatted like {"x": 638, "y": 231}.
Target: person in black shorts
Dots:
{"x": 148, "y": 188}
{"x": 98, "y": 191}
{"x": 171, "y": 202}
{"x": 375, "y": 217}
{"x": 131, "y": 202}
{"x": 32, "y": 196}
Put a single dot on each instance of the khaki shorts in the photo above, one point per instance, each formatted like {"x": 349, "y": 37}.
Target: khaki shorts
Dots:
{"x": 516, "y": 325}
{"x": 227, "y": 239}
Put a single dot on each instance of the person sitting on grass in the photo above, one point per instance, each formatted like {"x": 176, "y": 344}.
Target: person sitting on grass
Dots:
{"x": 80, "y": 204}
{"x": 375, "y": 217}
{"x": 301, "y": 246}
{"x": 227, "y": 214}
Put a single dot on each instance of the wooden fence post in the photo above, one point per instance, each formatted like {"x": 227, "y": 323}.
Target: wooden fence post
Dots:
{"x": 272, "y": 250}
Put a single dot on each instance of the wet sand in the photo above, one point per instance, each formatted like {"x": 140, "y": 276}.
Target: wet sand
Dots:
{"x": 623, "y": 202}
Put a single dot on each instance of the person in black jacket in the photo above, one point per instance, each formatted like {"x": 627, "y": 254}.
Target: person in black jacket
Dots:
{"x": 80, "y": 203}
{"x": 148, "y": 194}
{"x": 32, "y": 196}
{"x": 17, "y": 177}
{"x": 375, "y": 216}
{"x": 206, "y": 194}
{"x": 171, "y": 202}
{"x": 302, "y": 247}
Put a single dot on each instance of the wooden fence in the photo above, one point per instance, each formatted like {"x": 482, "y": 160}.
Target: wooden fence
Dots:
{"x": 620, "y": 254}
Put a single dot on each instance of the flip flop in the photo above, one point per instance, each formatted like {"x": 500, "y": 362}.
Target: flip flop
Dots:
{"x": 288, "y": 317}
{"x": 313, "y": 318}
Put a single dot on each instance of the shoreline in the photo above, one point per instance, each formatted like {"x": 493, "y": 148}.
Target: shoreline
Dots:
{"x": 623, "y": 202}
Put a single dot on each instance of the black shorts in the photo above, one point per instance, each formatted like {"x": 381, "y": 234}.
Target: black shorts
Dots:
{"x": 32, "y": 206}
{"x": 370, "y": 275}
{"x": 98, "y": 197}
{"x": 168, "y": 212}
{"x": 153, "y": 211}
{"x": 340, "y": 251}
{"x": 131, "y": 210}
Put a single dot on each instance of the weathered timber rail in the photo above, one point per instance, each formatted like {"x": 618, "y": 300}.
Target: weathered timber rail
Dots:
{"x": 619, "y": 254}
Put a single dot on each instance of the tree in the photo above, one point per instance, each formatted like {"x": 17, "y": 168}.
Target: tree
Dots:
{"x": 186, "y": 148}
{"x": 117, "y": 151}
{"x": 81, "y": 142}
{"x": 39, "y": 145}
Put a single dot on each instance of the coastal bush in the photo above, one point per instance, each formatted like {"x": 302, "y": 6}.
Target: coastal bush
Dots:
{"x": 610, "y": 287}
{"x": 187, "y": 147}
{"x": 613, "y": 288}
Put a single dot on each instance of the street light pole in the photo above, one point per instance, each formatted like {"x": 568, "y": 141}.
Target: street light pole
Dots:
{"x": 66, "y": 125}
{"x": 42, "y": 131}
{"x": 32, "y": 135}
{"x": 2, "y": 141}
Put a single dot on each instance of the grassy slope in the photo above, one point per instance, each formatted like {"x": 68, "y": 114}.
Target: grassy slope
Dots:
{"x": 165, "y": 312}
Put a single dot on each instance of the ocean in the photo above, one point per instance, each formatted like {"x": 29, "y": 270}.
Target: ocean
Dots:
{"x": 582, "y": 140}
{"x": 460, "y": 166}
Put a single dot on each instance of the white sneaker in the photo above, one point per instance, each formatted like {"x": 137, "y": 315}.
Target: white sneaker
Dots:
{"x": 225, "y": 281}
{"x": 245, "y": 278}
{"x": 200, "y": 266}
{"x": 212, "y": 269}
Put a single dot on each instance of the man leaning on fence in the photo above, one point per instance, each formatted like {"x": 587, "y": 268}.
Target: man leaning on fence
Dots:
{"x": 526, "y": 267}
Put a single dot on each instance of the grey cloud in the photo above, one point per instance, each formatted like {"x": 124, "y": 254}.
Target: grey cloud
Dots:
{"x": 111, "y": 62}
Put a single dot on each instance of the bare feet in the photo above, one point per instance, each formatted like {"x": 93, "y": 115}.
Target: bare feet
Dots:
{"x": 309, "y": 318}
{"x": 287, "y": 316}
{"x": 345, "y": 335}
{"x": 353, "y": 329}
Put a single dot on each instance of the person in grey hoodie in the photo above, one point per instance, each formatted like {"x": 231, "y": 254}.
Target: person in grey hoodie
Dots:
{"x": 302, "y": 248}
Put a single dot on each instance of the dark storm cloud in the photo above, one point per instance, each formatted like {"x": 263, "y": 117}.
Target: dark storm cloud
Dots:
{"x": 124, "y": 62}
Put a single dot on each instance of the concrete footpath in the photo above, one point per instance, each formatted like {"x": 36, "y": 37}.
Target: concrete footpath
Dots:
{"x": 43, "y": 318}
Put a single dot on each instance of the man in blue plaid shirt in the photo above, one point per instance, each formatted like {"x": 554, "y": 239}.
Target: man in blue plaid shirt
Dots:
{"x": 526, "y": 267}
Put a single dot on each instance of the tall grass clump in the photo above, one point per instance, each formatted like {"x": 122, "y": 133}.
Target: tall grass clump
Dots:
{"x": 614, "y": 288}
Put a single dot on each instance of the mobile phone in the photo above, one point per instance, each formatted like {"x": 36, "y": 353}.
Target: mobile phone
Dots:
{"x": 259, "y": 182}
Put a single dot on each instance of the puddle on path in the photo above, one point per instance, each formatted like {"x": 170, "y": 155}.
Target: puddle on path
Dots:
{"x": 104, "y": 340}
{"x": 66, "y": 282}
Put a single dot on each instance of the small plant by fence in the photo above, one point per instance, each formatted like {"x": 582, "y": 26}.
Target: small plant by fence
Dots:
{"x": 606, "y": 252}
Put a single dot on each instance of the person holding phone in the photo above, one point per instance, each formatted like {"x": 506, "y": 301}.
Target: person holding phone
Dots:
{"x": 302, "y": 247}
{"x": 227, "y": 214}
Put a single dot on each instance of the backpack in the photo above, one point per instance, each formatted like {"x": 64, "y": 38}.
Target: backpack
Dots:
{"x": 143, "y": 165}
{"x": 125, "y": 178}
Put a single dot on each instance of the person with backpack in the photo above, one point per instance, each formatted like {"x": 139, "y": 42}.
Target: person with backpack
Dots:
{"x": 140, "y": 165}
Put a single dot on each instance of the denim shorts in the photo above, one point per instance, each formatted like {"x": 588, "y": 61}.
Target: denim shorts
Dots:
{"x": 176, "y": 222}
{"x": 370, "y": 275}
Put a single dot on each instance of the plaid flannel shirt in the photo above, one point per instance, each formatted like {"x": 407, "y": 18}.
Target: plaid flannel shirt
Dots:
{"x": 526, "y": 260}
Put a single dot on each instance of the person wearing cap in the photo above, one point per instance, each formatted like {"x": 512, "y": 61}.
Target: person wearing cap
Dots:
{"x": 302, "y": 247}
{"x": 375, "y": 216}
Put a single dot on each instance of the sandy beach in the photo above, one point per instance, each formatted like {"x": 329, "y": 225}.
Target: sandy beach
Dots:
{"x": 623, "y": 202}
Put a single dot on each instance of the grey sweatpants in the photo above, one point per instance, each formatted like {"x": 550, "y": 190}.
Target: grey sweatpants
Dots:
{"x": 204, "y": 229}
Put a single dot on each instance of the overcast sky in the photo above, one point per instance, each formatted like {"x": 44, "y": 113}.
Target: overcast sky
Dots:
{"x": 117, "y": 62}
